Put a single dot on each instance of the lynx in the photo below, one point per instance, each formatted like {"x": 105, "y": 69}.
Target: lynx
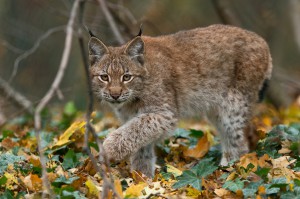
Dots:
{"x": 151, "y": 82}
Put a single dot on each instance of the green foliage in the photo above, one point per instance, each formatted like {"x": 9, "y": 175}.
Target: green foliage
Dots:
{"x": 8, "y": 158}
{"x": 71, "y": 160}
{"x": 194, "y": 176}
{"x": 235, "y": 185}
{"x": 63, "y": 180}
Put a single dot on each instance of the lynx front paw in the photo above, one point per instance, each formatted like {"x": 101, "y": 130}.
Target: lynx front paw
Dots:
{"x": 115, "y": 148}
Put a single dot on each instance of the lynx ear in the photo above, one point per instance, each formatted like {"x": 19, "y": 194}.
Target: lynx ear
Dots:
{"x": 135, "y": 49}
{"x": 96, "y": 50}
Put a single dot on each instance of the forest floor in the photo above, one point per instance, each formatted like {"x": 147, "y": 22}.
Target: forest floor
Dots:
{"x": 187, "y": 163}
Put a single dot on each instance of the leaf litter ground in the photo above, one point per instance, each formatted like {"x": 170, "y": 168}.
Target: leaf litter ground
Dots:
{"x": 187, "y": 164}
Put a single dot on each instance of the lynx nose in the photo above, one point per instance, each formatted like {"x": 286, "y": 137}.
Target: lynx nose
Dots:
{"x": 115, "y": 96}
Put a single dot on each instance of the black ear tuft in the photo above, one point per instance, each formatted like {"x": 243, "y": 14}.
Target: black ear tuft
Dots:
{"x": 97, "y": 50}
{"x": 89, "y": 31}
{"x": 141, "y": 31}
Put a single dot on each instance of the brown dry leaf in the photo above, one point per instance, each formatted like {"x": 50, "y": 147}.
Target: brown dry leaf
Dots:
{"x": 74, "y": 132}
{"x": 222, "y": 192}
{"x": 34, "y": 160}
{"x": 7, "y": 143}
{"x": 280, "y": 168}
{"x": 33, "y": 182}
{"x": 200, "y": 150}
{"x": 248, "y": 158}
{"x": 139, "y": 177}
{"x": 263, "y": 161}
{"x": 135, "y": 190}
{"x": 286, "y": 144}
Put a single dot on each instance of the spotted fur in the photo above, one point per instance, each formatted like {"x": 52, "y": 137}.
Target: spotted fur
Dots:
{"x": 215, "y": 71}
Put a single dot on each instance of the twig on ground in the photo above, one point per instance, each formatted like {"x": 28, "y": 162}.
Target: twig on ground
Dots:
{"x": 33, "y": 49}
{"x": 111, "y": 21}
{"x": 55, "y": 85}
{"x": 107, "y": 184}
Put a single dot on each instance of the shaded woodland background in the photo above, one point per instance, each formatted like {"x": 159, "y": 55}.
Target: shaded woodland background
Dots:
{"x": 33, "y": 31}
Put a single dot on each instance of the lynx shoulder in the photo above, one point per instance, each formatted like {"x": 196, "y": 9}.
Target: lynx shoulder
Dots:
{"x": 151, "y": 82}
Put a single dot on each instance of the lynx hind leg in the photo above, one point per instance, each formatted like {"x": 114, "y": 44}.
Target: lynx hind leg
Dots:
{"x": 144, "y": 160}
{"x": 231, "y": 122}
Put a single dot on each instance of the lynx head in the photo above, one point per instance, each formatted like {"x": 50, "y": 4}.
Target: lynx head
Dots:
{"x": 117, "y": 73}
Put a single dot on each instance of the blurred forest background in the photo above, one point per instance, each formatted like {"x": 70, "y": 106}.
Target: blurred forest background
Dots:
{"x": 32, "y": 38}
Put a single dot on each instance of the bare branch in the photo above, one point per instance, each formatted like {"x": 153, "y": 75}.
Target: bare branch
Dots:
{"x": 295, "y": 15}
{"x": 33, "y": 49}
{"x": 15, "y": 96}
{"x": 111, "y": 21}
{"x": 45, "y": 100}
{"x": 11, "y": 47}
{"x": 107, "y": 183}
{"x": 124, "y": 10}
{"x": 225, "y": 15}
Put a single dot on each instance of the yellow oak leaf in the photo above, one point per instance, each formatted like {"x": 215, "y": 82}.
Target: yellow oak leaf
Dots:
{"x": 92, "y": 187}
{"x": 135, "y": 190}
{"x": 74, "y": 132}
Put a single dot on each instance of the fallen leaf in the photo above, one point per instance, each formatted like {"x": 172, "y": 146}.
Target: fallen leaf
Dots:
{"x": 74, "y": 132}
{"x": 135, "y": 190}
{"x": 153, "y": 189}
{"x": 200, "y": 150}
{"x": 93, "y": 187}
{"x": 249, "y": 158}
{"x": 33, "y": 182}
{"x": 221, "y": 192}
{"x": 176, "y": 172}
{"x": 8, "y": 144}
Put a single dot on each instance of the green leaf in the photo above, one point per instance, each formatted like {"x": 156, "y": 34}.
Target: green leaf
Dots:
{"x": 188, "y": 178}
{"x": 235, "y": 185}
{"x": 71, "y": 160}
{"x": 181, "y": 133}
{"x": 262, "y": 172}
{"x": 3, "y": 180}
{"x": 73, "y": 194}
{"x": 279, "y": 183}
{"x": 70, "y": 109}
{"x": 194, "y": 176}
{"x": 63, "y": 180}
{"x": 196, "y": 133}
{"x": 297, "y": 182}
{"x": 8, "y": 158}
{"x": 46, "y": 138}
{"x": 251, "y": 189}
{"x": 248, "y": 192}
{"x": 7, "y": 195}
{"x": 204, "y": 168}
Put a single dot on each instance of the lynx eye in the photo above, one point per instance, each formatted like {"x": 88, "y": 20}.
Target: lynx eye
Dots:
{"x": 104, "y": 78}
{"x": 127, "y": 77}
